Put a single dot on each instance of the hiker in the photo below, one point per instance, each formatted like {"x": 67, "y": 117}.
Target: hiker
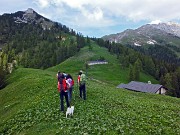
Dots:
{"x": 70, "y": 83}
{"x": 82, "y": 84}
{"x": 65, "y": 75}
{"x": 58, "y": 74}
{"x": 62, "y": 88}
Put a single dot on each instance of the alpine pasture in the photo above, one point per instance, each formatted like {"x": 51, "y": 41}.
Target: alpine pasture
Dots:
{"x": 30, "y": 103}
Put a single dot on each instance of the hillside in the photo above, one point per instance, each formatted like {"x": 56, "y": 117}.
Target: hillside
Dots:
{"x": 111, "y": 73}
{"x": 34, "y": 41}
{"x": 153, "y": 40}
{"x": 30, "y": 103}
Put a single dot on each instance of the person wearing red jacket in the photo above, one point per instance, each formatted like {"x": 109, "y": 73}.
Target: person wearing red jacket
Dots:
{"x": 62, "y": 88}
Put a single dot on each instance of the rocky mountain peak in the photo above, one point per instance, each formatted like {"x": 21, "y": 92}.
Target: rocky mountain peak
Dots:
{"x": 166, "y": 34}
{"x": 27, "y": 16}
{"x": 30, "y": 16}
{"x": 29, "y": 11}
{"x": 169, "y": 27}
{"x": 173, "y": 24}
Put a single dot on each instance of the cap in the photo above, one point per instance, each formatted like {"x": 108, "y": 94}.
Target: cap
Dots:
{"x": 80, "y": 71}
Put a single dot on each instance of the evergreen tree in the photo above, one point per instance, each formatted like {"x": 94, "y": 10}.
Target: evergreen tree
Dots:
{"x": 2, "y": 77}
{"x": 89, "y": 44}
{"x": 88, "y": 40}
{"x": 136, "y": 69}
{"x": 124, "y": 60}
{"x": 5, "y": 59}
{"x": 157, "y": 74}
{"x": 168, "y": 84}
{"x": 1, "y": 59}
{"x": 131, "y": 74}
{"x": 149, "y": 66}
{"x": 177, "y": 82}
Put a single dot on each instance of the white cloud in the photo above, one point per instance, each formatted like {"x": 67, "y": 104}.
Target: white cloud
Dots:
{"x": 155, "y": 22}
{"x": 42, "y": 3}
{"x": 99, "y": 14}
{"x": 96, "y": 15}
{"x": 83, "y": 14}
{"x": 71, "y": 3}
{"x": 133, "y": 10}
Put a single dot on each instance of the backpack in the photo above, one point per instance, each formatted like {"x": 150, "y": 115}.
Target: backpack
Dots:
{"x": 83, "y": 79}
{"x": 69, "y": 82}
{"x": 60, "y": 78}
{"x": 61, "y": 82}
{"x": 62, "y": 86}
{"x": 72, "y": 83}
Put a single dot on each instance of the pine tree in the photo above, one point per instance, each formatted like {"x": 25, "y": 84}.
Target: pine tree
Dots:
{"x": 2, "y": 77}
{"x": 168, "y": 84}
{"x": 177, "y": 88}
{"x": 136, "y": 69}
{"x": 124, "y": 60}
{"x": 1, "y": 59}
{"x": 149, "y": 66}
{"x": 5, "y": 60}
{"x": 131, "y": 74}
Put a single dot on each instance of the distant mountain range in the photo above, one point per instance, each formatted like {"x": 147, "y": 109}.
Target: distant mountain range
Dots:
{"x": 166, "y": 34}
{"x": 149, "y": 34}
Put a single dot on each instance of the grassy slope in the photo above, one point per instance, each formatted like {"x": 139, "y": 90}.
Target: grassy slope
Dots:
{"x": 111, "y": 73}
{"x": 30, "y": 105}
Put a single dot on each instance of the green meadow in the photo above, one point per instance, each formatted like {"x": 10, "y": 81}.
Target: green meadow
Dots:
{"x": 30, "y": 103}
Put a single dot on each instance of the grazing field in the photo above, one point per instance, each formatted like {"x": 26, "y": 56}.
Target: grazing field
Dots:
{"x": 30, "y": 103}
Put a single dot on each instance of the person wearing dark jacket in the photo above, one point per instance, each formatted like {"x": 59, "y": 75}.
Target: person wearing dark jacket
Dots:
{"x": 62, "y": 88}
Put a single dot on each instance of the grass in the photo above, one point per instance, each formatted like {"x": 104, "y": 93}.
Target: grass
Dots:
{"x": 111, "y": 73}
{"x": 34, "y": 109}
{"x": 30, "y": 103}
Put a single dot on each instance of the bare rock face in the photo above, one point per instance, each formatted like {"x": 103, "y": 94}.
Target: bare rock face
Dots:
{"x": 170, "y": 27}
{"x": 29, "y": 11}
{"x": 30, "y": 16}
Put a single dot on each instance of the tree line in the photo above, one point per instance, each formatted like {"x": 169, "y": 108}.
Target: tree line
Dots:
{"x": 162, "y": 52}
{"x": 166, "y": 72}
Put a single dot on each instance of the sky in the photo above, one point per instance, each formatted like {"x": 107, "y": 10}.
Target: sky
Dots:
{"x": 97, "y": 18}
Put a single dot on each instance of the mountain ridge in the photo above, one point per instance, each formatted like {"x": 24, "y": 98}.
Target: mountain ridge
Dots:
{"x": 150, "y": 36}
{"x": 31, "y": 16}
{"x": 168, "y": 28}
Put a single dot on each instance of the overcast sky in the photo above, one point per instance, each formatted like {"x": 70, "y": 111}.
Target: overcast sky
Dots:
{"x": 96, "y": 18}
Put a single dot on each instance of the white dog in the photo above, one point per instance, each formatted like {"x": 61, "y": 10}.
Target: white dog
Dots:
{"x": 70, "y": 111}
